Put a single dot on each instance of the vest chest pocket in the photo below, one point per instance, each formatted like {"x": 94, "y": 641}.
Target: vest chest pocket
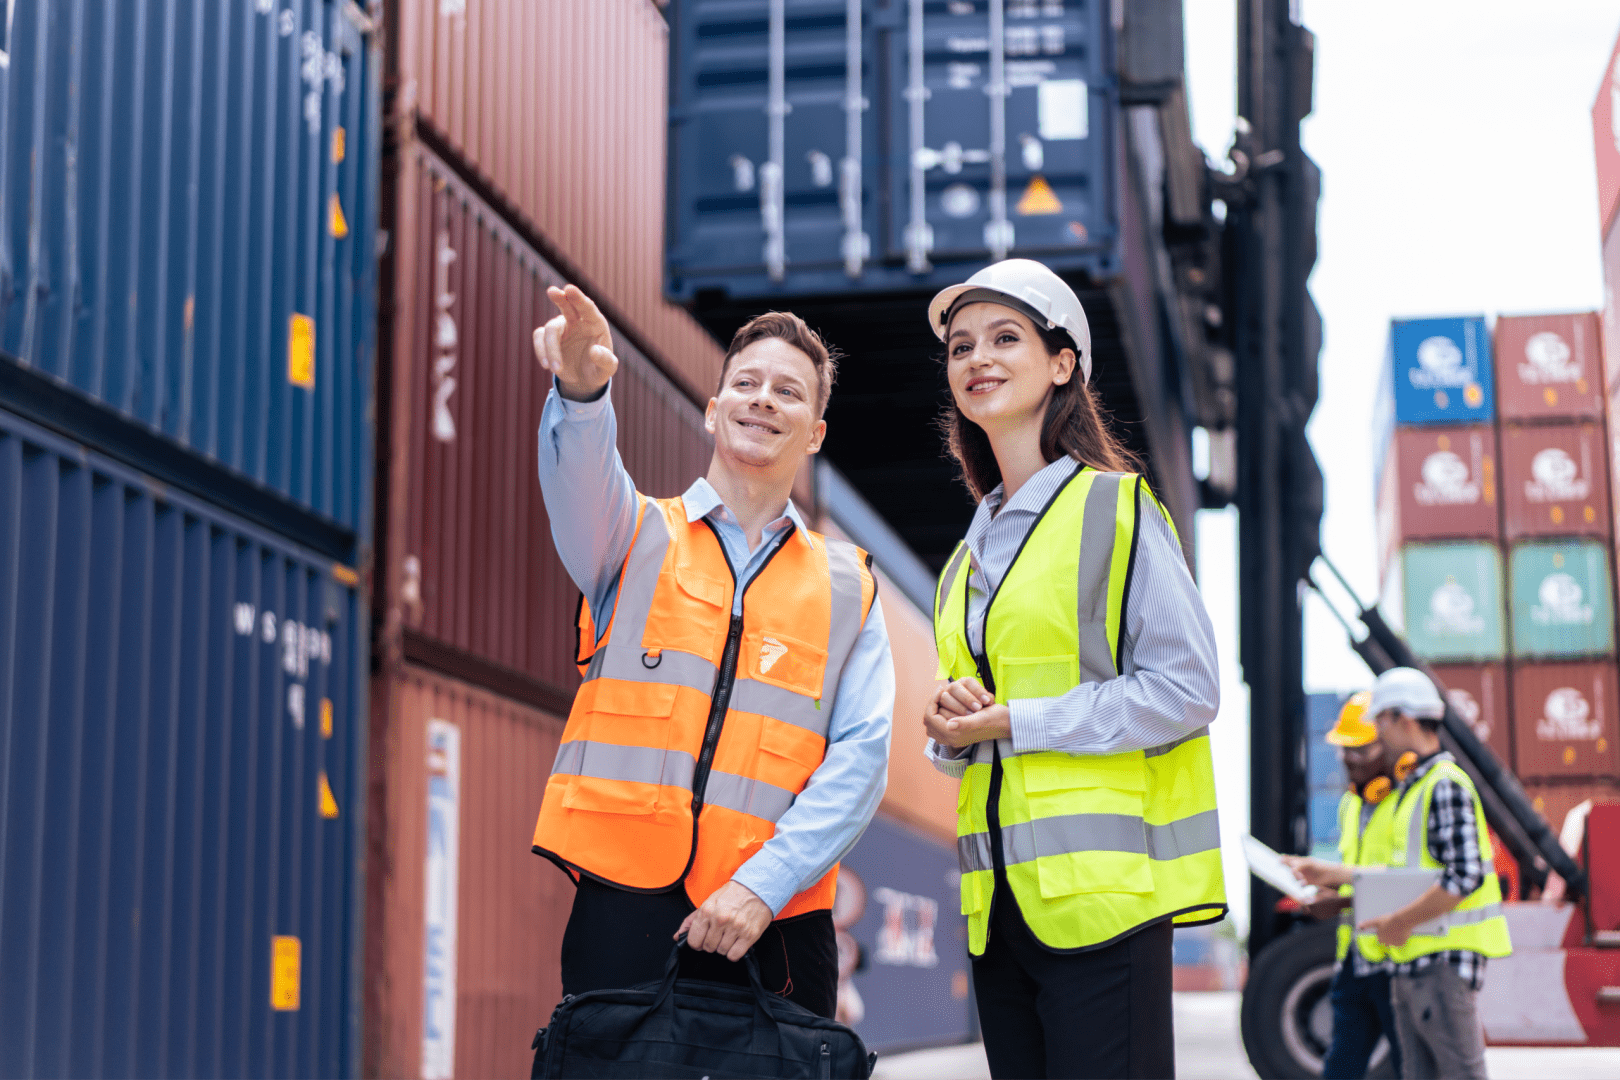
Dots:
{"x": 1087, "y": 826}
{"x": 783, "y": 660}
{"x": 1019, "y": 677}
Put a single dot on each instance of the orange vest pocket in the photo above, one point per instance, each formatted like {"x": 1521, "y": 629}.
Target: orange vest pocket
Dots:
{"x": 610, "y": 796}
{"x": 782, "y": 660}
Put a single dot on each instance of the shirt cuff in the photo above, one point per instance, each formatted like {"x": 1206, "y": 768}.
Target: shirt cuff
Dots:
{"x": 769, "y": 878}
{"x": 1028, "y": 725}
{"x": 952, "y": 761}
{"x": 582, "y": 410}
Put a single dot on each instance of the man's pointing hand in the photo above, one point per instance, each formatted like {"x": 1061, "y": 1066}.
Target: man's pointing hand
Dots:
{"x": 576, "y": 346}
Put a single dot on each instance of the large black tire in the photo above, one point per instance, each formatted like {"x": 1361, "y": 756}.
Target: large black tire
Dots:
{"x": 1287, "y": 1015}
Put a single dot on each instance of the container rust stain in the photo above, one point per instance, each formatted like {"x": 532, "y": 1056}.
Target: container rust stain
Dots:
{"x": 503, "y": 83}
{"x": 506, "y": 910}
{"x": 474, "y": 584}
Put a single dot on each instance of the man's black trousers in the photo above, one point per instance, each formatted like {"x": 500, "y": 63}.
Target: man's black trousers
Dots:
{"x": 616, "y": 939}
{"x": 1102, "y": 1013}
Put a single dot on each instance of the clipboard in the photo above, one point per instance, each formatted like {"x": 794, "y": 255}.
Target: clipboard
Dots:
{"x": 1268, "y": 866}
{"x": 1383, "y": 891}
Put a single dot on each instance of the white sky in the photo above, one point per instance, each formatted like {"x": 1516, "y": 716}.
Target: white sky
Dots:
{"x": 1455, "y": 142}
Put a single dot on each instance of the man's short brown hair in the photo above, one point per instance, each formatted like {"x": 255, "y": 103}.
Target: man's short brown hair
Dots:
{"x": 788, "y": 327}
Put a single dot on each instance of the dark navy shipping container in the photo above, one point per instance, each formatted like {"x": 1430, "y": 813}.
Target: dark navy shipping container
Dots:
{"x": 187, "y": 232}
{"x": 181, "y": 733}
{"x": 827, "y": 146}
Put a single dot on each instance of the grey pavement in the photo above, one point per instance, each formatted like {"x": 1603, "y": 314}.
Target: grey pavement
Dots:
{"x": 1208, "y": 1047}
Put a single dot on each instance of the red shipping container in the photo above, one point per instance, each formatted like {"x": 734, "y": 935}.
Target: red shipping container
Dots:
{"x": 1553, "y": 800}
{"x": 472, "y": 584}
{"x": 562, "y": 109}
{"x": 1606, "y": 140}
{"x": 1479, "y": 693}
{"x": 1611, "y": 309}
{"x": 1555, "y": 480}
{"x": 1439, "y": 484}
{"x": 1566, "y": 720}
{"x": 473, "y": 764}
{"x": 1549, "y": 367}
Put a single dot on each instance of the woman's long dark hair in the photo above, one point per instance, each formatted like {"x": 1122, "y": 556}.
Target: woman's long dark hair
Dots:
{"x": 1074, "y": 426}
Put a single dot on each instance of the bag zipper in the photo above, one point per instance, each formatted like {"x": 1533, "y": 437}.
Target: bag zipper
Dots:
{"x": 826, "y": 1062}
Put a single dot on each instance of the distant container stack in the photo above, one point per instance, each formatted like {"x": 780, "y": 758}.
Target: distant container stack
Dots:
{"x": 1495, "y": 527}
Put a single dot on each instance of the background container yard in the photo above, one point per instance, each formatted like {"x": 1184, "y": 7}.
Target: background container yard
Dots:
{"x": 188, "y": 206}
{"x": 183, "y": 692}
{"x": 1549, "y": 367}
{"x": 188, "y": 203}
{"x": 1555, "y": 480}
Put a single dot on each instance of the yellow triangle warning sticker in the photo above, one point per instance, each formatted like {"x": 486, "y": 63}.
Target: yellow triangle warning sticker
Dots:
{"x": 1039, "y": 198}
{"x": 338, "y": 224}
{"x": 329, "y": 807}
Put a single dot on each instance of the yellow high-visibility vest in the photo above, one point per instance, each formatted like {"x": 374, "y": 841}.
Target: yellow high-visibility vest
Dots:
{"x": 1095, "y": 846}
{"x": 1475, "y": 925}
{"x": 1362, "y": 847}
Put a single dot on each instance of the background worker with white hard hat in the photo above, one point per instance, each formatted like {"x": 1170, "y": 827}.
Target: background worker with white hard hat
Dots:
{"x": 1079, "y": 677}
{"x": 1360, "y": 995}
{"x": 1438, "y": 823}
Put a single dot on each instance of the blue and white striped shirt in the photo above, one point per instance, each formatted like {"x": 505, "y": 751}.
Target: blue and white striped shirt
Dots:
{"x": 1171, "y": 684}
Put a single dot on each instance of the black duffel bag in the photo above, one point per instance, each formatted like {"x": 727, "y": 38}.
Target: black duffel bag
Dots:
{"x": 691, "y": 1028}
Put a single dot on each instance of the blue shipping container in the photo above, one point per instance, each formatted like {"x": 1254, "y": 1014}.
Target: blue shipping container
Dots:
{"x": 819, "y": 146}
{"x": 187, "y": 228}
{"x": 1436, "y": 371}
{"x": 181, "y": 733}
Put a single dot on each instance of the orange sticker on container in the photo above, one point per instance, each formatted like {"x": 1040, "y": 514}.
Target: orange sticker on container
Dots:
{"x": 329, "y": 806}
{"x": 286, "y": 962}
{"x": 326, "y": 718}
{"x": 1039, "y": 198}
{"x": 335, "y": 221}
{"x": 339, "y": 144}
{"x": 301, "y": 351}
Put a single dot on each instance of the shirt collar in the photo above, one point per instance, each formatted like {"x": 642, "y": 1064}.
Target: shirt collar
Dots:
{"x": 1028, "y": 499}
{"x": 701, "y": 500}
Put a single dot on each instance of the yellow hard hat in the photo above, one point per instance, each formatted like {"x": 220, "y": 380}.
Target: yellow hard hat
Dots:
{"x": 1354, "y": 727}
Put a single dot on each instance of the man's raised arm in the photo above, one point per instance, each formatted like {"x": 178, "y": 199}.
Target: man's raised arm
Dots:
{"x": 590, "y": 498}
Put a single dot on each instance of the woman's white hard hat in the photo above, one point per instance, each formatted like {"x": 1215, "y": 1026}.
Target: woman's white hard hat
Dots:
{"x": 1032, "y": 289}
{"x": 1406, "y": 690}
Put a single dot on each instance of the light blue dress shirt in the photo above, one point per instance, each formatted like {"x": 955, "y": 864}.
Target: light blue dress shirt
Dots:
{"x": 591, "y": 500}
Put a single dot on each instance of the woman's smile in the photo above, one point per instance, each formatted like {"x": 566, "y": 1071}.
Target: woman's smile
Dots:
{"x": 983, "y": 384}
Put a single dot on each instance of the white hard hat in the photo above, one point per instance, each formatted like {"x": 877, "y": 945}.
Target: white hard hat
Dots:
{"x": 1025, "y": 286}
{"x": 1406, "y": 690}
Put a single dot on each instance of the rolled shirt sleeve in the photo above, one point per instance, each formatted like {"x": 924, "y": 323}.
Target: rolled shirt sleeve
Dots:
{"x": 1171, "y": 686}
{"x": 836, "y": 805}
{"x": 1453, "y": 833}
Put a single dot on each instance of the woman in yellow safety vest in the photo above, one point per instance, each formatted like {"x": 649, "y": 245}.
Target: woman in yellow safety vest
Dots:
{"x": 1078, "y": 680}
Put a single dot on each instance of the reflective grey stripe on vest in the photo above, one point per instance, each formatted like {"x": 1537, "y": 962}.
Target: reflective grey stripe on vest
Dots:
{"x": 747, "y": 796}
{"x": 1473, "y": 915}
{"x": 844, "y": 568}
{"x": 639, "y": 581}
{"x": 1159, "y": 751}
{"x": 947, "y": 580}
{"x": 639, "y": 764}
{"x": 632, "y": 663}
{"x": 1079, "y": 833}
{"x": 670, "y": 768}
{"x": 1097, "y": 530}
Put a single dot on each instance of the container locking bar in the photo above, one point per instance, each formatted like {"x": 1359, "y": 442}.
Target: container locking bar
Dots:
{"x": 857, "y": 246}
{"x": 770, "y": 173}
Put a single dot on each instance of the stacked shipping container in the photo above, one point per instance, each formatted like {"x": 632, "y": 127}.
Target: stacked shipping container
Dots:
{"x": 501, "y": 183}
{"x": 187, "y": 238}
{"x": 1495, "y": 533}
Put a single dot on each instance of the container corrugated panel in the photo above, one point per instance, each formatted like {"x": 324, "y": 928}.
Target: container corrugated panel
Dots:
{"x": 1549, "y": 367}
{"x": 1447, "y": 599}
{"x": 503, "y": 963}
{"x": 1554, "y": 801}
{"x": 1605, "y": 148}
{"x": 1561, "y": 594}
{"x": 1555, "y": 480}
{"x": 1479, "y": 693}
{"x": 506, "y": 84}
{"x": 169, "y": 242}
{"x": 1567, "y": 719}
{"x": 762, "y": 207}
{"x": 1439, "y": 483}
{"x": 1436, "y": 371}
{"x": 1611, "y": 309}
{"x": 181, "y": 705}
{"x": 473, "y": 566}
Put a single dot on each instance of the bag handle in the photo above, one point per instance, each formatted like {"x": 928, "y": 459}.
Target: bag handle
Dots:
{"x": 767, "y": 1037}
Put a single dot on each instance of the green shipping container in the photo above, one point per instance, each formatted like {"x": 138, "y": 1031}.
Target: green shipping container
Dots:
{"x": 1562, "y": 598}
{"x": 1447, "y": 599}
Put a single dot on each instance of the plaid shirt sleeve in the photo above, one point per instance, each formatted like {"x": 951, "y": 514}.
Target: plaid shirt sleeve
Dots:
{"x": 1454, "y": 838}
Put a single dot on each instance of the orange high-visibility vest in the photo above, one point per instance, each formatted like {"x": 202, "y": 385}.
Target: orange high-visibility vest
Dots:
{"x": 695, "y": 729}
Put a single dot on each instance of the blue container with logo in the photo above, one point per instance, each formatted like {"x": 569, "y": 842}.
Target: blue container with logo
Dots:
{"x": 1436, "y": 371}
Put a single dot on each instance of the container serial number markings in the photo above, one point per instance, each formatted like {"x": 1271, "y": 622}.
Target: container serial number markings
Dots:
{"x": 301, "y": 351}
{"x": 286, "y": 964}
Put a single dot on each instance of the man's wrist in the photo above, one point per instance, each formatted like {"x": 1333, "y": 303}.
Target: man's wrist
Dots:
{"x": 563, "y": 391}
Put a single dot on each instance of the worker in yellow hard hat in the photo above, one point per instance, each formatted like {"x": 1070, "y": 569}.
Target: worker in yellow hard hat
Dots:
{"x": 1360, "y": 994}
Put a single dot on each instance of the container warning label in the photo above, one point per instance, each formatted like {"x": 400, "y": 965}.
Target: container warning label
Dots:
{"x": 1039, "y": 198}
{"x": 329, "y": 806}
{"x": 337, "y": 224}
{"x": 301, "y": 351}
{"x": 286, "y": 960}
{"x": 326, "y": 718}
